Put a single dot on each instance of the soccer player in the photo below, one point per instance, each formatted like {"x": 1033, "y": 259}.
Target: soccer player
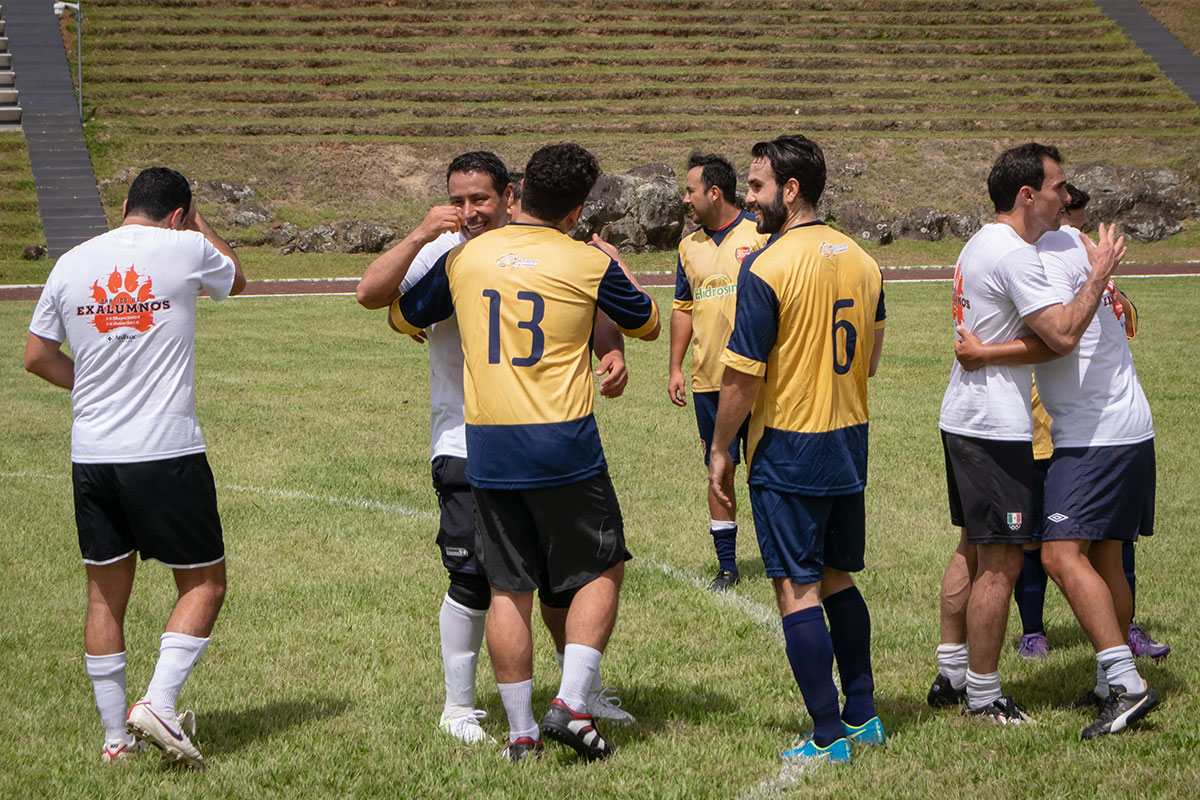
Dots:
{"x": 1099, "y": 489}
{"x": 481, "y": 196}
{"x": 546, "y": 514}
{"x": 702, "y": 314}
{"x": 808, "y": 334}
{"x": 125, "y": 304}
{"x": 1030, "y": 590}
{"x": 1001, "y": 293}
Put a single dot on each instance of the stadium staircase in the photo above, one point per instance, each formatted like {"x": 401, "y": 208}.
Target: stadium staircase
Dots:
{"x": 1174, "y": 58}
{"x": 10, "y": 108}
{"x": 68, "y": 199}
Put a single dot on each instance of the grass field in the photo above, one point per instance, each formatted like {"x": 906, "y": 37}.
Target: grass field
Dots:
{"x": 323, "y": 679}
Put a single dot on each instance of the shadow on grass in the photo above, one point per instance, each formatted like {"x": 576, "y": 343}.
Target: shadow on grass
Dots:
{"x": 229, "y": 731}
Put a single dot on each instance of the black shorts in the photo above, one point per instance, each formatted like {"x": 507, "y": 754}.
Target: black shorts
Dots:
{"x": 1099, "y": 493}
{"x": 166, "y": 510}
{"x": 706, "y": 404}
{"x": 990, "y": 485}
{"x": 554, "y": 539}
{"x": 456, "y": 527}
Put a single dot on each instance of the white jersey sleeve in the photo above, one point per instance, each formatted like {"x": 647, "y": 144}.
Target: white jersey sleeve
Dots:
{"x": 47, "y": 321}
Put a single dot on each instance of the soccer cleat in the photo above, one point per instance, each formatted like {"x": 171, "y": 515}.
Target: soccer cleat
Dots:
{"x": 726, "y": 579}
{"x": 144, "y": 723}
{"x": 869, "y": 733}
{"x": 1033, "y": 645}
{"x": 575, "y": 730}
{"x": 466, "y": 728}
{"x": 605, "y": 705}
{"x": 1088, "y": 699}
{"x": 943, "y": 693}
{"x": 837, "y": 752}
{"x": 1120, "y": 709}
{"x": 119, "y": 750}
{"x": 522, "y": 748}
{"x": 1002, "y": 711}
{"x": 187, "y": 721}
{"x": 1142, "y": 645}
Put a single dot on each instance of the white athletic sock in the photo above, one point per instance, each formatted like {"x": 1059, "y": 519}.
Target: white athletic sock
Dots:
{"x": 108, "y": 684}
{"x": 597, "y": 682}
{"x": 177, "y": 654}
{"x": 982, "y": 690}
{"x": 718, "y": 525}
{"x": 1101, "y": 689}
{"x": 518, "y": 705}
{"x": 581, "y": 668}
{"x": 952, "y": 662}
{"x": 1119, "y": 668}
{"x": 462, "y": 635}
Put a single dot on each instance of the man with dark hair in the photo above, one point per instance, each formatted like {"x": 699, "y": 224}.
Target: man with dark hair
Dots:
{"x": 808, "y": 334}
{"x": 125, "y": 304}
{"x": 546, "y": 515}
{"x": 480, "y": 197}
{"x": 1001, "y": 293}
{"x": 702, "y": 314}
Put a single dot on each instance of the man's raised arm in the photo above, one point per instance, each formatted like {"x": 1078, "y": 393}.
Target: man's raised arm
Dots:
{"x": 380, "y": 283}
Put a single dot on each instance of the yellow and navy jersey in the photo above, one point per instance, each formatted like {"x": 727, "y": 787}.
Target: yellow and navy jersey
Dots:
{"x": 809, "y": 307}
{"x": 706, "y": 287}
{"x": 526, "y": 299}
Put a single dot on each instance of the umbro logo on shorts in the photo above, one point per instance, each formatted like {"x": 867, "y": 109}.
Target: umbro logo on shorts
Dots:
{"x": 1056, "y": 517}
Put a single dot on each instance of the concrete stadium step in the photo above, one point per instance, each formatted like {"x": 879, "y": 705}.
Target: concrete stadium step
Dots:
{"x": 5, "y": 60}
{"x": 7, "y": 77}
{"x": 8, "y": 96}
{"x": 3, "y": 44}
{"x": 10, "y": 115}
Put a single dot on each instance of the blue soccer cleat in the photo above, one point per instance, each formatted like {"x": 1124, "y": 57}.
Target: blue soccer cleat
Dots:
{"x": 869, "y": 733}
{"x": 838, "y": 752}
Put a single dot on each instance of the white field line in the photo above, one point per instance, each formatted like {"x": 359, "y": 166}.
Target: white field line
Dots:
{"x": 765, "y": 618}
{"x": 282, "y": 494}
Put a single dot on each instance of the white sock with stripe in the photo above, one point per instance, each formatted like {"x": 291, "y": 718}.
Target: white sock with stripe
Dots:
{"x": 177, "y": 655}
{"x": 108, "y": 684}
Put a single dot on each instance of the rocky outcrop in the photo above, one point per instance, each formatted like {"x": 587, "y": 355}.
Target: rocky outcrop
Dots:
{"x": 347, "y": 236}
{"x": 1148, "y": 203}
{"x": 637, "y": 211}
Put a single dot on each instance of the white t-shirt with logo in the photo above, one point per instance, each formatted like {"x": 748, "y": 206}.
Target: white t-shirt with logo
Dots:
{"x": 998, "y": 281}
{"x": 125, "y": 304}
{"x": 1093, "y": 393}
{"x": 447, "y": 428}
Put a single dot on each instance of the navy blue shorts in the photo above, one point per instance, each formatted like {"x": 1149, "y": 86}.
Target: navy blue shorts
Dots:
{"x": 166, "y": 510}
{"x": 798, "y": 534}
{"x": 706, "y": 421}
{"x": 1099, "y": 493}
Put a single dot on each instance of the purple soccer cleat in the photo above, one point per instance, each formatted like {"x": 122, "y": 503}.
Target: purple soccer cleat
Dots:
{"x": 1033, "y": 645}
{"x": 1142, "y": 645}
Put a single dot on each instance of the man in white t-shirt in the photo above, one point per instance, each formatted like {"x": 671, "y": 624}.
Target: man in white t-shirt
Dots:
{"x": 125, "y": 304}
{"x": 481, "y": 196}
{"x": 1001, "y": 293}
{"x": 1099, "y": 489}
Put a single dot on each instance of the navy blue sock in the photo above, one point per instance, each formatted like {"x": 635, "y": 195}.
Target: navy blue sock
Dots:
{"x": 810, "y": 652}
{"x": 1030, "y": 593}
{"x": 850, "y": 631}
{"x": 726, "y": 544}
{"x": 1127, "y": 562}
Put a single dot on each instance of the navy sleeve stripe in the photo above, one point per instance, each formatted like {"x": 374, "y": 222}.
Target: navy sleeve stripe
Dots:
{"x": 756, "y": 323}
{"x": 429, "y": 300}
{"x": 683, "y": 289}
{"x": 880, "y": 311}
{"x": 627, "y": 305}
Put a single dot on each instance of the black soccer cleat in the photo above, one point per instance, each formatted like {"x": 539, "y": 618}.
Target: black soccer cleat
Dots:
{"x": 942, "y": 694}
{"x": 522, "y": 748}
{"x": 726, "y": 579}
{"x": 1001, "y": 711}
{"x": 1120, "y": 709}
{"x": 575, "y": 730}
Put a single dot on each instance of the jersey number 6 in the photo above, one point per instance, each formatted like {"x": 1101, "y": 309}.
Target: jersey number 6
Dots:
{"x": 842, "y": 367}
{"x": 538, "y": 344}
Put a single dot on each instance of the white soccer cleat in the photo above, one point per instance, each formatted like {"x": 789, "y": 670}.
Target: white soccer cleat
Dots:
{"x": 119, "y": 750}
{"x": 605, "y": 705}
{"x": 467, "y": 728}
{"x": 146, "y": 724}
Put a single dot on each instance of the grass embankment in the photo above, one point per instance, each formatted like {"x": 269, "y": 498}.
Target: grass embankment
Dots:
{"x": 20, "y": 224}
{"x": 1179, "y": 17}
{"x": 348, "y": 110}
{"x": 323, "y": 678}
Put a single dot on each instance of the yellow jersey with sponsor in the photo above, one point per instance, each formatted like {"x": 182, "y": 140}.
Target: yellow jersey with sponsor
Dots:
{"x": 526, "y": 297}
{"x": 706, "y": 287}
{"x": 809, "y": 307}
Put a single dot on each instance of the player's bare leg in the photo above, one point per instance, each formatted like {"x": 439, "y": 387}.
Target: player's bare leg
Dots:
{"x": 723, "y": 528}
{"x": 950, "y": 686}
{"x": 510, "y": 647}
{"x": 109, "y": 587}
{"x": 201, "y": 595}
{"x": 997, "y": 567}
{"x": 1068, "y": 565}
